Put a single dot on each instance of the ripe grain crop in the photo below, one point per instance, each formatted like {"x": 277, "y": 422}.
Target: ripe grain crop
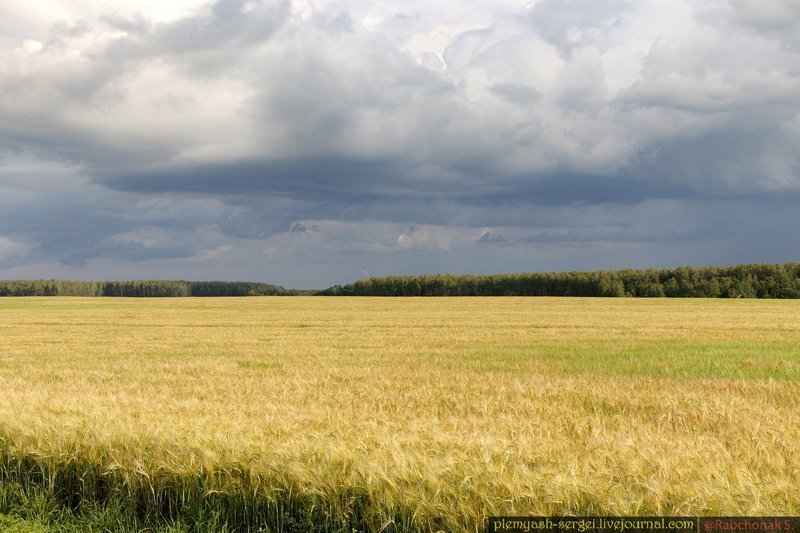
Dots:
{"x": 297, "y": 413}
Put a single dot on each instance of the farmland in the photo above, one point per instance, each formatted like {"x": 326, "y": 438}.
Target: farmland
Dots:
{"x": 407, "y": 413}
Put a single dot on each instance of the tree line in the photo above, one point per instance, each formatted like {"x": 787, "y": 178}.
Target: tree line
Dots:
{"x": 140, "y": 288}
{"x": 742, "y": 281}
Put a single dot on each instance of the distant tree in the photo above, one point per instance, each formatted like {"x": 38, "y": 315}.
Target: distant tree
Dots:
{"x": 749, "y": 281}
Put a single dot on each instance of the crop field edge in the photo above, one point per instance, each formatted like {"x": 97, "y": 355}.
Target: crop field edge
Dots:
{"x": 62, "y": 468}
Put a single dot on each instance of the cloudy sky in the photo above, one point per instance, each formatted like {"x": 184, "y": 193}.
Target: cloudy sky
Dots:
{"x": 313, "y": 142}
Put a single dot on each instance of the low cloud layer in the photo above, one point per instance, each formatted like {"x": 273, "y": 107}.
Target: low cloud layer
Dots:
{"x": 314, "y": 143}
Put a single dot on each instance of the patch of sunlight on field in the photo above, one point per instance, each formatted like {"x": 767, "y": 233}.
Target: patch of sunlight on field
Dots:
{"x": 422, "y": 413}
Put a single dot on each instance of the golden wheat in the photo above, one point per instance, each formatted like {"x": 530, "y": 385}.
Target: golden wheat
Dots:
{"x": 431, "y": 412}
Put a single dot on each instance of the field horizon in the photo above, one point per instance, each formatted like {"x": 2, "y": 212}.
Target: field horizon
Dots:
{"x": 364, "y": 413}
{"x": 781, "y": 281}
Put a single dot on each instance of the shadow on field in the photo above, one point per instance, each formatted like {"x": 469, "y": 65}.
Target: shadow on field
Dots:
{"x": 69, "y": 494}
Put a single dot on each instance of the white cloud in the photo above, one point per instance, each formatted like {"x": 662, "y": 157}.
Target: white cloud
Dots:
{"x": 524, "y": 90}
{"x": 205, "y": 131}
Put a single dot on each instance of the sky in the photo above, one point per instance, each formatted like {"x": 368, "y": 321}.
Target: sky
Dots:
{"x": 314, "y": 142}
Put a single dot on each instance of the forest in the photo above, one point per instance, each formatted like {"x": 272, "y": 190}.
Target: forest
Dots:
{"x": 742, "y": 281}
{"x": 140, "y": 288}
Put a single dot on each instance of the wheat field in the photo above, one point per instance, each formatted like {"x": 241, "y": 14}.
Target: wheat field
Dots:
{"x": 404, "y": 414}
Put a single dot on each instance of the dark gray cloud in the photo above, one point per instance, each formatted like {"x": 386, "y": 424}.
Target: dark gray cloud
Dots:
{"x": 228, "y": 25}
{"x": 309, "y": 145}
{"x": 317, "y": 179}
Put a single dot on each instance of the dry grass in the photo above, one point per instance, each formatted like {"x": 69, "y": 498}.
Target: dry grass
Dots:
{"x": 425, "y": 413}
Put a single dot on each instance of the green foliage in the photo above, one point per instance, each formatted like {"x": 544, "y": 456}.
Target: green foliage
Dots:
{"x": 234, "y": 288}
{"x": 76, "y": 495}
{"x": 746, "y": 281}
{"x": 743, "y": 281}
{"x": 139, "y": 288}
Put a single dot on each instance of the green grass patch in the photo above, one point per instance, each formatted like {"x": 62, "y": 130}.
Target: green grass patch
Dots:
{"x": 749, "y": 360}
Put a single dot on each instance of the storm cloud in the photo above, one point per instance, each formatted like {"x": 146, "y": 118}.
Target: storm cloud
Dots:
{"x": 315, "y": 143}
